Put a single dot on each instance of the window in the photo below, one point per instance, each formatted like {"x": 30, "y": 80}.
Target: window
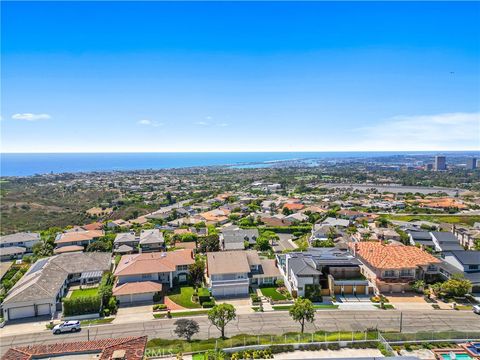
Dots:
{"x": 146, "y": 276}
{"x": 389, "y": 273}
{"x": 473, "y": 267}
{"x": 182, "y": 267}
{"x": 406, "y": 272}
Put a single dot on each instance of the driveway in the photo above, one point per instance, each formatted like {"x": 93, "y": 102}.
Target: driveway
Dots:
{"x": 241, "y": 305}
{"x": 133, "y": 313}
{"x": 409, "y": 302}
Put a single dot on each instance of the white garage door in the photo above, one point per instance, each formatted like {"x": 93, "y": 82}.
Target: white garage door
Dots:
{"x": 126, "y": 299}
{"x": 43, "y": 309}
{"x": 230, "y": 291}
{"x": 21, "y": 312}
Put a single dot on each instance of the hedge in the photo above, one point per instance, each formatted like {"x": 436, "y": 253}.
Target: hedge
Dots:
{"x": 82, "y": 305}
{"x": 208, "y": 304}
{"x": 282, "y": 229}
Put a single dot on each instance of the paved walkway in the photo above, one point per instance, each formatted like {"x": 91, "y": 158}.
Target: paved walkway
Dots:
{"x": 172, "y": 305}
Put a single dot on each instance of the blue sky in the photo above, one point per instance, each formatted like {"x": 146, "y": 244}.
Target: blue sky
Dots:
{"x": 239, "y": 76}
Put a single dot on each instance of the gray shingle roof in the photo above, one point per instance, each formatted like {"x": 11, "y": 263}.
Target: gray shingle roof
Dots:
{"x": 46, "y": 277}
{"x": 467, "y": 257}
{"x": 19, "y": 237}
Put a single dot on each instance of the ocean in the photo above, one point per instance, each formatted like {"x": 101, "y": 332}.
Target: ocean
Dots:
{"x": 26, "y": 164}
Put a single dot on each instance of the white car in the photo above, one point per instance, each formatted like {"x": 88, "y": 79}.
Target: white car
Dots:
{"x": 67, "y": 326}
{"x": 476, "y": 309}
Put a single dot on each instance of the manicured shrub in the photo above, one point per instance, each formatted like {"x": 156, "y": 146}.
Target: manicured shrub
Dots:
{"x": 82, "y": 305}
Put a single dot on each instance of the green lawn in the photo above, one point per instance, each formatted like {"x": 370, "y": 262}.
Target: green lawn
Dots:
{"x": 84, "y": 293}
{"x": 181, "y": 314}
{"x": 96, "y": 321}
{"x": 272, "y": 293}
{"x": 385, "y": 306}
{"x": 183, "y": 346}
{"x": 316, "y": 307}
{"x": 183, "y": 297}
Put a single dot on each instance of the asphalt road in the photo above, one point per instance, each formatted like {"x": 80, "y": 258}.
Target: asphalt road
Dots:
{"x": 265, "y": 323}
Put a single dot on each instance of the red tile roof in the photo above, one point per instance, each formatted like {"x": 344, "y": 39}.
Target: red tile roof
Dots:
{"x": 134, "y": 349}
{"x": 382, "y": 256}
{"x": 137, "y": 287}
{"x": 149, "y": 263}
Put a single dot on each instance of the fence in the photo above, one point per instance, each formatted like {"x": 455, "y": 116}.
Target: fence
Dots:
{"x": 343, "y": 339}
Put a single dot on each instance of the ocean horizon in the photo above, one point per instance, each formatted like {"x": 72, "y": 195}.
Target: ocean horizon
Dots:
{"x": 28, "y": 164}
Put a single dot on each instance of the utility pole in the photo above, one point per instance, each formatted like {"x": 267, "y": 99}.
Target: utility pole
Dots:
{"x": 401, "y": 321}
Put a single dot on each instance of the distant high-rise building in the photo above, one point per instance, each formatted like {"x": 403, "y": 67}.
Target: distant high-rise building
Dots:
{"x": 429, "y": 167}
{"x": 440, "y": 163}
{"x": 471, "y": 163}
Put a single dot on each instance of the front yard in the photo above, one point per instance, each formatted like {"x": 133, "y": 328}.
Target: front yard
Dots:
{"x": 183, "y": 296}
{"x": 272, "y": 293}
{"x": 77, "y": 293}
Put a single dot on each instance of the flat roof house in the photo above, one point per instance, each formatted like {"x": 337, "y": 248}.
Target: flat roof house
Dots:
{"x": 39, "y": 291}
{"x": 335, "y": 271}
{"x": 392, "y": 267}
{"x": 230, "y": 273}
{"x": 141, "y": 276}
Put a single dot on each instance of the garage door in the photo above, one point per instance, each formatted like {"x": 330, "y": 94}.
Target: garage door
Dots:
{"x": 43, "y": 309}
{"x": 125, "y": 299}
{"x": 21, "y": 312}
{"x": 230, "y": 291}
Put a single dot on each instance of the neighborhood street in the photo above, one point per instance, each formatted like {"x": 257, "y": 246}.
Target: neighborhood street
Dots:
{"x": 263, "y": 323}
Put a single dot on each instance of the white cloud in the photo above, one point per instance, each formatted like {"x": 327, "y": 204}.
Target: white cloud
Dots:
{"x": 222, "y": 124}
{"x": 30, "y": 116}
{"x": 202, "y": 123}
{"x": 149, "y": 123}
{"x": 449, "y": 131}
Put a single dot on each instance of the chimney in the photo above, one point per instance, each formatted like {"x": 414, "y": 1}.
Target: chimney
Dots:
{"x": 118, "y": 355}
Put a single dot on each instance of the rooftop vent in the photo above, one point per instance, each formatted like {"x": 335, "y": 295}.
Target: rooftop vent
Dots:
{"x": 119, "y": 355}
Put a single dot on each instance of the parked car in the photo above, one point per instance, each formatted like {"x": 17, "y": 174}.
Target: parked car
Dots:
{"x": 476, "y": 309}
{"x": 67, "y": 326}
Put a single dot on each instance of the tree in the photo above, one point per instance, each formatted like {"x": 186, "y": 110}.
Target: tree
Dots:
{"x": 286, "y": 211}
{"x": 186, "y": 328}
{"x": 97, "y": 246}
{"x": 302, "y": 311}
{"x": 221, "y": 315}
{"x": 209, "y": 243}
{"x": 263, "y": 244}
{"x": 456, "y": 286}
{"x": 197, "y": 270}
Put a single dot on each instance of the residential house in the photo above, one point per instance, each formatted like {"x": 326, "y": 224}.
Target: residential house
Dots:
{"x": 140, "y": 276}
{"x": 234, "y": 239}
{"x": 445, "y": 241}
{"x": 78, "y": 238}
{"x": 422, "y": 239}
{"x": 125, "y": 243}
{"x": 40, "y": 290}
{"x": 11, "y": 253}
{"x": 13, "y": 246}
{"x": 465, "y": 262}
{"x": 119, "y": 223}
{"x": 216, "y": 216}
{"x": 230, "y": 273}
{"x": 131, "y": 348}
{"x": 391, "y": 268}
{"x": 151, "y": 240}
{"x": 466, "y": 235}
{"x": 333, "y": 271}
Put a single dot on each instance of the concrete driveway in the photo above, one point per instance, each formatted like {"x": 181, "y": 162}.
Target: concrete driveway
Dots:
{"x": 133, "y": 313}
{"x": 409, "y": 302}
{"x": 241, "y": 305}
